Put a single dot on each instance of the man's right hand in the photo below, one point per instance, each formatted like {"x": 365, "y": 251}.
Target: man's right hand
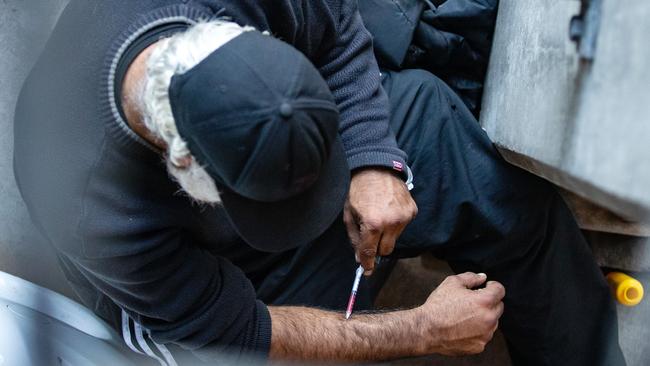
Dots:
{"x": 458, "y": 320}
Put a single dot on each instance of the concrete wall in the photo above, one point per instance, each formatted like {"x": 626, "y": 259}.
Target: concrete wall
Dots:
{"x": 24, "y": 27}
{"x": 584, "y": 126}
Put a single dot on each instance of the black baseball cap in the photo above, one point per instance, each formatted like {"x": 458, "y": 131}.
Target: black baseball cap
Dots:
{"x": 262, "y": 121}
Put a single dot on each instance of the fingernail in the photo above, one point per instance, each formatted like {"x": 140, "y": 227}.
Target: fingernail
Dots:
{"x": 367, "y": 273}
{"x": 482, "y": 274}
{"x": 356, "y": 257}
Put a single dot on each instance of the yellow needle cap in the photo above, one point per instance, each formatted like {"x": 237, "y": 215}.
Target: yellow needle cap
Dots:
{"x": 627, "y": 290}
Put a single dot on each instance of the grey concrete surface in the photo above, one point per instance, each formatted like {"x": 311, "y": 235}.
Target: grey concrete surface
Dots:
{"x": 630, "y": 253}
{"x": 593, "y": 217}
{"x": 634, "y": 327}
{"x": 583, "y": 126}
{"x": 24, "y": 28}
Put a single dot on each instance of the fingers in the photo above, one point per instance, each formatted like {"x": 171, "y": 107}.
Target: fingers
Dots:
{"x": 499, "y": 309}
{"x": 496, "y": 326}
{"x": 494, "y": 318}
{"x": 496, "y": 290}
{"x": 377, "y": 239}
{"x": 471, "y": 280}
{"x": 378, "y": 208}
{"x": 387, "y": 242}
{"x": 352, "y": 228}
{"x": 367, "y": 248}
{"x": 367, "y": 241}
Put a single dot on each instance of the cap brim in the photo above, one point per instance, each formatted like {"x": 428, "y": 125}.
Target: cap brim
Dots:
{"x": 287, "y": 224}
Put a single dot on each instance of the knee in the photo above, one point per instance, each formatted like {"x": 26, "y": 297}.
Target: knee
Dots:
{"x": 423, "y": 79}
{"x": 431, "y": 87}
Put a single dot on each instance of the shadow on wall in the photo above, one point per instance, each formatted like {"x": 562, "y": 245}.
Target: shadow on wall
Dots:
{"x": 24, "y": 29}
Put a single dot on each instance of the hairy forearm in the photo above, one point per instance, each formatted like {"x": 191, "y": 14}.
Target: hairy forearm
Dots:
{"x": 301, "y": 333}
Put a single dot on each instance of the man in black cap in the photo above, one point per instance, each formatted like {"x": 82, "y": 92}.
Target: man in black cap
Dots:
{"x": 262, "y": 137}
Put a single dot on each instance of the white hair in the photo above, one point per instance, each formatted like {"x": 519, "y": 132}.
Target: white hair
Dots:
{"x": 173, "y": 56}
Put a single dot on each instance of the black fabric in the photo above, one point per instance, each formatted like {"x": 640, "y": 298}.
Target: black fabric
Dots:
{"x": 392, "y": 25}
{"x": 450, "y": 38}
{"x": 273, "y": 147}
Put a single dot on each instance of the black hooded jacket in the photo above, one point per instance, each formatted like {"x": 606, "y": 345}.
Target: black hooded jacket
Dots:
{"x": 450, "y": 38}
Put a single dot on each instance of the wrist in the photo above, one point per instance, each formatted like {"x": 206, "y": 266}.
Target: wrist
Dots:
{"x": 413, "y": 329}
{"x": 395, "y": 160}
{"x": 426, "y": 338}
{"x": 405, "y": 175}
{"x": 377, "y": 170}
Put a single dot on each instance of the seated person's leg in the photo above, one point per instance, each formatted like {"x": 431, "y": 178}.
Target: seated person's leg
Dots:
{"x": 319, "y": 274}
{"x": 484, "y": 215}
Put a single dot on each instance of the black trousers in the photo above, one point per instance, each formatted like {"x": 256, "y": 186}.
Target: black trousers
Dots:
{"x": 480, "y": 214}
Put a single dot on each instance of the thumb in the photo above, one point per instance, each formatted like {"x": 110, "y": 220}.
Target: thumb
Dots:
{"x": 472, "y": 280}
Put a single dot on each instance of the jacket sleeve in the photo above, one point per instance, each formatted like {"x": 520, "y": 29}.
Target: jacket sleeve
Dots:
{"x": 177, "y": 291}
{"x": 351, "y": 71}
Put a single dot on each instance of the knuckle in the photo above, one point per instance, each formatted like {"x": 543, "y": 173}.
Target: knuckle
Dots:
{"x": 373, "y": 226}
{"x": 494, "y": 298}
{"x": 491, "y": 319}
{"x": 451, "y": 279}
{"x": 415, "y": 210}
{"x": 487, "y": 337}
{"x": 497, "y": 286}
{"x": 396, "y": 222}
{"x": 484, "y": 300}
{"x": 478, "y": 347}
{"x": 502, "y": 290}
{"x": 368, "y": 252}
{"x": 481, "y": 346}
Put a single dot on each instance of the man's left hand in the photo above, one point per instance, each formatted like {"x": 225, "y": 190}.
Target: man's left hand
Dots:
{"x": 378, "y": 208}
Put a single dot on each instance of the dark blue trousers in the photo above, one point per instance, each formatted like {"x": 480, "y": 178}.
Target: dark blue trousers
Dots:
{"x": 480, "y": 214}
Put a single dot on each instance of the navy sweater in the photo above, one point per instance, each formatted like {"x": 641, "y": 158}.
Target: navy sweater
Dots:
{"x": 102, "y": 197}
